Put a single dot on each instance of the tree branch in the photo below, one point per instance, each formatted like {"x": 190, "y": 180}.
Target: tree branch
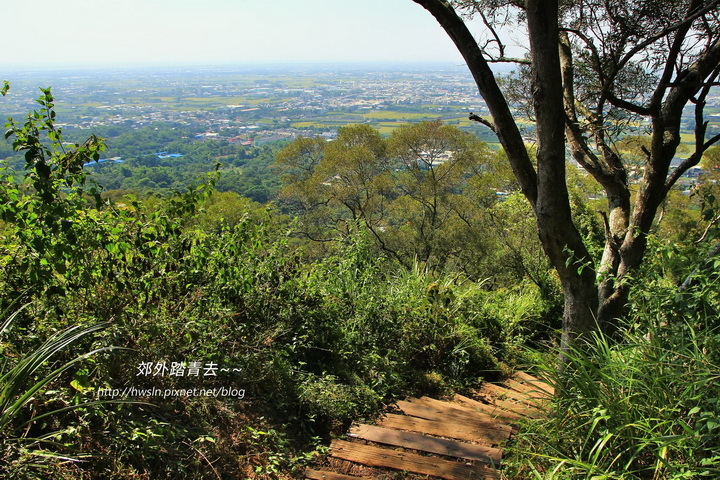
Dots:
{"x": 579, "y": 148}
{"x": 479, "y": 119}
{"x": 520, "y": 61}
{"x": 689, "y": 162}
{"x": 624, "y": 104}
{"x": 501, "y": 58}
{"x": 493, "y": 32}
{"x": 506, "y": 128}
{"x": 707, "y": 229}
{"x": 593, "y": 51}
{"x": 682, "y": 27}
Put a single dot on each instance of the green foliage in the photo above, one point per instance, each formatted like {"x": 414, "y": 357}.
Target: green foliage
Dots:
{"x": 202, "y": 275}
{"x": 645, "y": 407}
{"x": 21, "y": 382}
{"x": 208, "y": 276}
{"x": 422, "y": 194}
{"x": 632, "y": 411}
{"x": 55, "y": 180}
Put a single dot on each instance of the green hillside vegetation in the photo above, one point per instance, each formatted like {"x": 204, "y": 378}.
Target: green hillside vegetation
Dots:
{"x": 198, "y": 276}
{"x": 380, "y": 272}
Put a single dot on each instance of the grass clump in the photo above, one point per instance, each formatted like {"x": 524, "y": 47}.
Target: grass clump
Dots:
{"x": 646, "y": 406}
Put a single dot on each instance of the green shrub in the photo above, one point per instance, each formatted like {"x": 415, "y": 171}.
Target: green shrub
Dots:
{"x": 643, "y": 407}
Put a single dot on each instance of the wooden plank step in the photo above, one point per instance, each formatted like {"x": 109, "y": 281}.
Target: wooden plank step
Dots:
{"x": 539, "y": 384}
{"x": 410, "y": 462}
{"x": 328, "y": 475}
{"x": 458, "y": 409}
{"x": 431, "y": 409}
{"x": 495, "y": 410}
{"x": 449, "y": 429}
{"x": 530, "y": 390}
{"x": 498, "y": 391}
{"x": 425, "y": 443}
{"x": 511, "y": 400}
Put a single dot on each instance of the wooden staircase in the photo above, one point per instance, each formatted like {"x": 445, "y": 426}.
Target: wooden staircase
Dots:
{"x": 459, "y": 439}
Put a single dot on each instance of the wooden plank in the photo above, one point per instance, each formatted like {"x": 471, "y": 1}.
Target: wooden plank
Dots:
{"x": 541, "y": 385}
{"x": 522, "y": 387}
{"x": 537, "y": 397}
{"x": 328, "y": 475}
{"x": 425, "y": 443}
{"x": 409, "y": 462}
{"x": 511, "y": 400}
{"x": 493, "y": 408}
{"x": 494, "y": 390}
{"x": 453, "y": 408}
{"x": 430, "y": 409}
{"x": 445, "y": 412}
{"x": 449, "y": 429}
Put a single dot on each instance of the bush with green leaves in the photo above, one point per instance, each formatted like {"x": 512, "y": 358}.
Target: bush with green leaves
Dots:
{"x": 646, "y": 403}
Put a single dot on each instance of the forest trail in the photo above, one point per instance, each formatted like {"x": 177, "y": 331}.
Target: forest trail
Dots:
{"x": 457, "y": 439}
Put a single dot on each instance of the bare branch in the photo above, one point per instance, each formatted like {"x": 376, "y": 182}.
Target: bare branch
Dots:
{"x": 579, "y": 148}
{"x": 487, "y": 123}
{"x": 494, "y": 33}
{"x": 521, "y": 61}
{"x": 624, "y": 104}
{"x": 609, "y": 237}
{"x": 685, "y": 23}
{"x": 705, "y": 234}
{"x": 595, "y": 55}
{"x": 707, "y": 66}
{"x": 689, "y": 162}
{"x": 645, "y": 151}
{"x": 682, "y": 28}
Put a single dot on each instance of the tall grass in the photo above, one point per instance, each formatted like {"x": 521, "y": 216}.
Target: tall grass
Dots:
{"x": 645, "y": 404}
{"x": 640, "y": 409}
{"x": 23, "y": 380}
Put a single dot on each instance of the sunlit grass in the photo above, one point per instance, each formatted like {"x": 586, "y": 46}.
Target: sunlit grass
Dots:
{"x": 636, "y": 409}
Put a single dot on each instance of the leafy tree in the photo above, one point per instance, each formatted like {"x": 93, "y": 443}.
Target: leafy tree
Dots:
{"x": 44, "y": 219}
{"x": 436, "y": 162}
{"x": 319, "y": 177}
{"x": 422, "y": 194}
{"x": 711, "y": 159}
{"x": 595, "y": 68}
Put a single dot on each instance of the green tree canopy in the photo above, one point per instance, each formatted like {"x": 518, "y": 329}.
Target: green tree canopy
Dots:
{"x": 422, "y": 193}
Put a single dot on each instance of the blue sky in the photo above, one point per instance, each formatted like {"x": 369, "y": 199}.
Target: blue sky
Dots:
{"x": 72, "y": 33}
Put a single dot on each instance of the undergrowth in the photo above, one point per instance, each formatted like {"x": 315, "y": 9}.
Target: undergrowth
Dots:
{"x": 642, "y": 405}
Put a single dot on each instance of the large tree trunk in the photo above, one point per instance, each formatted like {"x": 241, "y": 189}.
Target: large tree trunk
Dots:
{"x": 558, "y": 235}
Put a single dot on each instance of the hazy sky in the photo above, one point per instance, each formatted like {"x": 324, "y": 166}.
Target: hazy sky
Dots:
{"x": 121, "y": 32}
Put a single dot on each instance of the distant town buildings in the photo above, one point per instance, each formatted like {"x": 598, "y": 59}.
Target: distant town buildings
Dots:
{"x": 252, "y": 109}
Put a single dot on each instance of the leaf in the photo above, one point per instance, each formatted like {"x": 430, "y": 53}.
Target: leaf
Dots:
{"x": 80, "y": 384}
